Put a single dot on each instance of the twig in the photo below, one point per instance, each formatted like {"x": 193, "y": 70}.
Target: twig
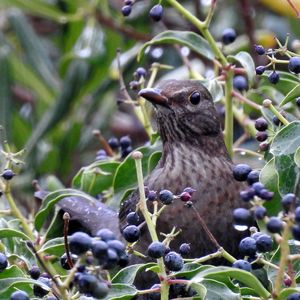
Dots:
{"x": 66, "y": 218}
{"x": 294, "y": 7}
{"x": 246, "y": 100}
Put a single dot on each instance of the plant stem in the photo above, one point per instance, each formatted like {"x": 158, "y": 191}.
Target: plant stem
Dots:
{"x": 137, "y": 156}
{"x": 17, "y": 213}
{"x": 284, "y": 253}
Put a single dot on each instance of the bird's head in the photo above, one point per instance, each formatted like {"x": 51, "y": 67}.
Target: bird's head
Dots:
{"x": 184, "y": 110}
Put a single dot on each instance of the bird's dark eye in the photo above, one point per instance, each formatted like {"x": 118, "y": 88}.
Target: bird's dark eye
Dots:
{"x": 195, "y": 98}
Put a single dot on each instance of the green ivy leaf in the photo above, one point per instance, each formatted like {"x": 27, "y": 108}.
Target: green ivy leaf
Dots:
{"x": 287, "y": 140}
{"x": 215, "y": 89}
{"x": 245, "y": 59}
{"x": 284, "y": 293}
{"x": 128, "y": 274}
{"x": 121, "y": 292}
{"x": 297, "y": 157}
{"x": 53, "y": 247}
{"x": 186, "y": 38}
{"x": 96, "y": 177}
{"x": 292, "y": 95}
{"x": 200, "y": 289}
{"x": 9, "y": 233}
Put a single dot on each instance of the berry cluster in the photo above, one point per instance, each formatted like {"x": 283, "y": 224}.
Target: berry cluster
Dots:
{"x": 156, "y": 12}
{"x": 122, "y": 146}
{"x": 293, "y": 63}
{"x": 139, "y": 76}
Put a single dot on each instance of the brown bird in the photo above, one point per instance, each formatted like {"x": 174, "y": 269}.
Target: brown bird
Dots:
{"x": 194, "y": 155}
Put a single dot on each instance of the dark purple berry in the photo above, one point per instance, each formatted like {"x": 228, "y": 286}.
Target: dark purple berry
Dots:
{"x": 80, "y": 242}
{"x": 241, "y": 171}
{"x": 261, "y": 136}
{"x": 240, "y": 83}
{"x": 185, "y": 249}
{"x": 141, "y": 72}
{"x": 274, "y": 225}
{"x": 152, "y": 196}
{"x": 125, "y": 142}
{"x": 87, "y": 283}
{"x": 253, "y": 177}
{"x": 166, "y": 197}
{"x": 126, "y": 10}
{"x": 264, "y": 243}
{"x": 288, "y": 201}
{"x": 265, "y": 194}
{"x": 294, "y": 65}
{"x": 255, "y": 265}
{"x": 242, "y": 216}
{"x": 155, "y": 295}
{"x": 228, "y": 36}
{"x": 156, "y": 12}
{"x": 259, "y": 49}
{"x": 3, "y": 262}
{"x": 19, "y": 295}
{"x": 113, "y": 143}
{"x": 8, "y": 174}
{"x": 242, "y": 265}
{"x": 297, "y": 214}
{"x": 34, "y": 272}
{"x": 100, "y": 291}
{"x": 156, "y": 250}
{"x": 106, "y": 234}
{"x": 124, "y": 260}
{"x": 64, "y": 261}
{"x": 185, "y": 196}
{"x": 126, "y": 151}
{"x": 247, "y": 195}
{"x": 293, "y": 296}
{"x": 257, "y": 186}
{"x": 247, "y": 246}
{"x": 116, "y": 245}
{"x": 173, "y": 261}
{"x": 273, "y": 77}
{"x": 112, "y": 259}
{"x": 261, "y": 124}
{"x": 264, "y": 146}
{"x": 99, "y": 250}
{"x": 39, "y": 291}
{"x": 131, "y": 233}
{"x": 298, "y": 101}
{"x": 276, "y": 121}
{"x": 133, "y": 218}
{"x": 260, "y": 70}
{"x": 296, "y": 232}
{"x": 260, "y": 212}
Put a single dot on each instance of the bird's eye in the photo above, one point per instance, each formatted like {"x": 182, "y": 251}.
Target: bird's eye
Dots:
{"x": 195, "y": 98}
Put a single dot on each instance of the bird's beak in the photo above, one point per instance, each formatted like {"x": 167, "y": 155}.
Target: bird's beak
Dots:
{"x": 154, "y": 96}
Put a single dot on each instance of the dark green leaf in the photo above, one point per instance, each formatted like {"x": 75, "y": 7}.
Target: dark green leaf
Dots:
{"x": 128, "y": 274}
{"x": 297, "y": 157}
{"x": 245, "y": 59}
{"x": 187, "y": 38}
{"x": 284, "y": 293}
{"x": 8, "y": 232}
{"x": 121, "y": 292}
{"x": 292, "y": 95}
{"x": 55, "y": 246}
{"x": 200, "y": 289}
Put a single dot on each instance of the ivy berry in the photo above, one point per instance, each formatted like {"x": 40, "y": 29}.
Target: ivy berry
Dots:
{"x": 228, "y": 36}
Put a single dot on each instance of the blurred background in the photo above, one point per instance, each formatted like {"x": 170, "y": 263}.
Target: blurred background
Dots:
{"x": 59, "y": 76}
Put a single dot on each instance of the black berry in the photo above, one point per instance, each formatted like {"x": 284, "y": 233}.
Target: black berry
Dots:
{"x": 125, "y": 142}
{"x": 166, "y": 197}
{"x": 294, "y": 65}
{"x": 261, "y": 124}
{"x": 116, "y": 245}
{"x": 247, "y": 246}
{"x": 260, "y": 212}
{"x": 64, "y": 261}
{"x": 100, "y": 291}
{"x": 34, "y": 272}
{"x": 185, "y": 249}
{"x": 297, "y": 214}
{"x": 3, "y": 262}
{"x": 264, "y": 243}
{"x": 126, "y": 10}
{"x": 133, "y": 218}
{"x": 260, "y": 70}
{"x": 106, "y": 234}
{"x": 240, "y": 83}
{"x": 113, "y": 143}
{"x": 276, "y": 121}
{"x": 273, "y": 77}
{"x": 261, "y": 136}
{"x": 242, "y": 264}
{"x": 39, "y": 291}
{"x": 241, "y": 171}
{"x": 259, "y": 49}
{"x": 293, "y": 296}
{"x": 274, "y": 225}
{"x": 265, "y": 194}
{"x": 141, "y": 72}
{"x": 298, "y": 101}
{"x": 156, "y": 250}
{"x": 264, "y": 146}
{"x": 131, "y": 233}
{"x": 19, "y": 295}
{"x": 112, "y": 259}
{"x": 99, "y": 250}
{"x": 288, "y": 201}
{"x": 242, "y": 216}
{"x": 87, "y": 283}
{"x": 173, "y": 261}
{"x": 8, "y": 174}
{"x": 296, "y": 232}
{"x": 80, "y": 242}
{"x": 152, "y": 196}
{"x": 247, "y": 195}
{"x": 156, "y": 12}
{"x": 257, "y": 186}
{"x": 253, "y": 177}
{"x": 228, "y": 36}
